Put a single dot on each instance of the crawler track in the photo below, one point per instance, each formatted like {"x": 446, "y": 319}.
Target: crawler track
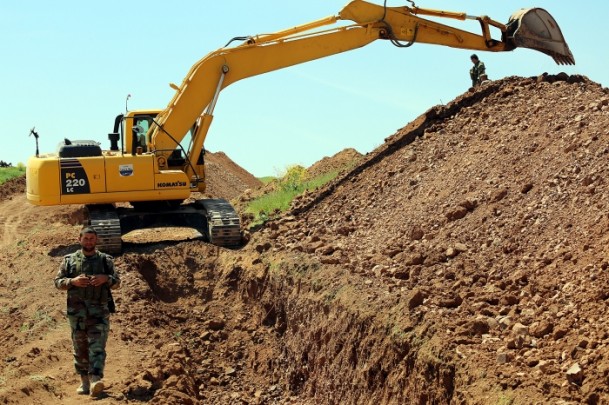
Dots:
{"x": 224, "y": 227}
{"x": 106, "y": 222}
{"x": 216, "y": 219}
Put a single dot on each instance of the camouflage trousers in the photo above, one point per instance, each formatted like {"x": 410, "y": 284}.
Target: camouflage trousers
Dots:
{"x": 89, "y": 337}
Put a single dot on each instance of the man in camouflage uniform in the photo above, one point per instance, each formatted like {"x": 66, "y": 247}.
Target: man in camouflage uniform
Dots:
{"x": 88, "y": 275}
{"x": 478, "y": 72}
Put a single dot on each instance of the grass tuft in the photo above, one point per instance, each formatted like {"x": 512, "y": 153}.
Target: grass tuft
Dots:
{"x": 293, "y": 183}
{"x": 7, "y": 173}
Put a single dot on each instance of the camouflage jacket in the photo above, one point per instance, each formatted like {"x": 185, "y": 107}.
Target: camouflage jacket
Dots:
{"x": 476, "y": 71}
{"x": 77, "y": 263}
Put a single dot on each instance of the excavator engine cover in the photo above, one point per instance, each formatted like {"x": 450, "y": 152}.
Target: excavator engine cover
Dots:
{"x": 535, "y": 28}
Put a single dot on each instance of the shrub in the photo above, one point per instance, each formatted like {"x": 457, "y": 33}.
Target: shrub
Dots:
{"x": 291, "y": 184}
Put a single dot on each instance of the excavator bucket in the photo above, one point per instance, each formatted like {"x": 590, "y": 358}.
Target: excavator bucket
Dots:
{"x": 535, "y": 28}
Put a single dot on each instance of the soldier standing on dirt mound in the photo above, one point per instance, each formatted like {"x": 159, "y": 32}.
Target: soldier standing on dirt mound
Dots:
{"x": 88, "y": 275}
{"x": 478, "y": 72}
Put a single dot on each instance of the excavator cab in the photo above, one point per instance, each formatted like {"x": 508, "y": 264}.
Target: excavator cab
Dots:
{"x": 535, "y": 28}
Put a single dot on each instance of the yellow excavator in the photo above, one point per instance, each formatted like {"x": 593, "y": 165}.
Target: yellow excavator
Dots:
{"x": 146, "y": 176}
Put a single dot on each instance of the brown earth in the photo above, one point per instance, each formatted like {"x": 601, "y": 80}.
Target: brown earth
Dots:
{"x": 225, "y": 178}
{"x": 346, "y": 158}
{"x": 15, "y": 185}
{"x": 462, "y": 262}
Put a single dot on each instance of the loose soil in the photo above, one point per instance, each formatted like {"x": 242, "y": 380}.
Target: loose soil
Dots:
{"x": 225, "y": 178}
{"x": 464, "y": 261}
{"x": 347, "y": 158}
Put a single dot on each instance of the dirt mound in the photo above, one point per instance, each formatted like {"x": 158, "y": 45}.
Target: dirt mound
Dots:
{"x": 462, "y": 262}
{"x": 11, "y": 187}
{"x": 487, "y": 219}
{"x": 225, "y": 178}
{"x": 345, "y": 159}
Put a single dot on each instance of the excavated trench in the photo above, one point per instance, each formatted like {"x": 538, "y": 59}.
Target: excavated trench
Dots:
{"x": 337, "y": 348}
{"x": 277, "y": 328}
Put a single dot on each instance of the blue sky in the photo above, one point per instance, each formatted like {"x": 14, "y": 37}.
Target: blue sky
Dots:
{"x": 68, "y": 66}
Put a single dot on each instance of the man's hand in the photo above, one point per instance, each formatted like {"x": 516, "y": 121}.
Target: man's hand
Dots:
{"x": 80, "y": 281}
{"x": 85, "y": 281}
{"x": 98, "y": 279}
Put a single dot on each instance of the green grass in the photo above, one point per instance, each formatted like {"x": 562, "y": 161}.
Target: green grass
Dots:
{"x": 7, "y": 173}
{"x": 505, "y": 400}
{"x": 293, "y": 183}
{"x": 266, "y": 206}
{"x": 42, "y": 316}
{"x": 267, "y": 179}
{"x": 25, "y": 327}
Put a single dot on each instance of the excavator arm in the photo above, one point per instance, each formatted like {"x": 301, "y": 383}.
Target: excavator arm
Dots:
{"x": 195, "y": 99}
{"x": 146, "y": 171}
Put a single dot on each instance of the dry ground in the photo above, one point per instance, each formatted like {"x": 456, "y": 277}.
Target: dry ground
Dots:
{"x": 462, "y": 262}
